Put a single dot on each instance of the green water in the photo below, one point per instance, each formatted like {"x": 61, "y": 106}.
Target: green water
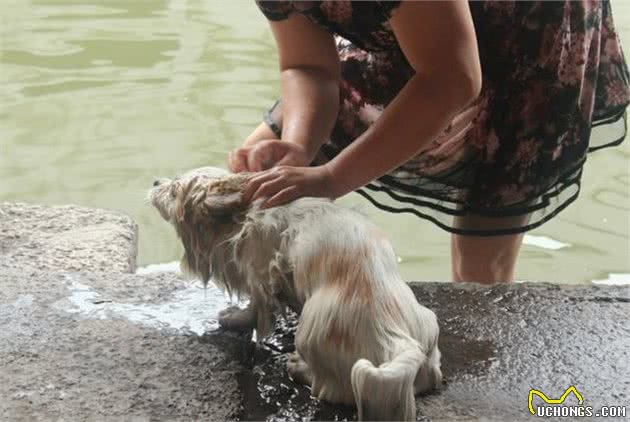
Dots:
{"x": 99, "y": 97}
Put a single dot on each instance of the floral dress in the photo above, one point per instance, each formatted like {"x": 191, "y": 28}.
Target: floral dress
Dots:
{"x": 552, "y": 71}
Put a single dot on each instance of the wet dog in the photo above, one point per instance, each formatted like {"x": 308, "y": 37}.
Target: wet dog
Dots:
{"x": 362, "y": 337}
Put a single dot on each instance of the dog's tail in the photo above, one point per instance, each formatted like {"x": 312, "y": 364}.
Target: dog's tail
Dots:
{"x": 388, "y": 392}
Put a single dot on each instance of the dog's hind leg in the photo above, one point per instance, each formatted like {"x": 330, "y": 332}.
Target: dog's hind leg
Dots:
{"x": 386, "y": 392}
{"x": 429, "y": 377}
{"x": 299, "y": 370}
{"x": 237, "y": 319}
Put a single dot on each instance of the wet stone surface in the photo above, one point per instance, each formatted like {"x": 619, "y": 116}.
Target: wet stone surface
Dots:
{"x": 497, "y": 344}
{"x": 93, "y": 344}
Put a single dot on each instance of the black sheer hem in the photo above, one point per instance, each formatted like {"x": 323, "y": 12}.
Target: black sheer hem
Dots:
{"x": 541, "y": 210}
{"x": 390, "y": 194}
{"x": 435, "y": 198}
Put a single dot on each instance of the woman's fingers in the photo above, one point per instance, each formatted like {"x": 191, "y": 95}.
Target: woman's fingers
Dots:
{"x": 237, "y": 160}
{"x": 284, "y": 196}
{"x": 253, "y": 186}
{"x": 255, "y": 158}
{"x": 231, "y": 161}
{"x": 262, "y": 156}
{"x": 266, "y": 154}
{"x": 271, "y": 187}
{"x": 283, "y": 184}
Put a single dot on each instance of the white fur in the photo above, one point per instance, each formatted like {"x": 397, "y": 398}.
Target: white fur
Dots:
{"x": 362, "y": 337}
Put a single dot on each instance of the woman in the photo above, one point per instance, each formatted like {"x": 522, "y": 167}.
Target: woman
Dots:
{"x": 476, "y": 116}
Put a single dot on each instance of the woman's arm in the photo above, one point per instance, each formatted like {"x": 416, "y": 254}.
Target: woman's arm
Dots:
{"x": 438, "y": 40}
{"x": 309, "y": 80}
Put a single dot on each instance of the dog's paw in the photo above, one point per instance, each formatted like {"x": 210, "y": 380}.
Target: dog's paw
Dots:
{"x": 229, "y": 311}
{"x": 298, "y": 369}
{"x": 237, "y": 319}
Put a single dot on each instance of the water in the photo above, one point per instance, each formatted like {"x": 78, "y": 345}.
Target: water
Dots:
{"x": 191, "y": 310}
{"x": 268, "y": 392}
{"x": 99, "y": 97}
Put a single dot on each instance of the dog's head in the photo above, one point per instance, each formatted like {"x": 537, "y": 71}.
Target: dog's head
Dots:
{"x": 202, "y": 204}
{"x": 200, "y": 195}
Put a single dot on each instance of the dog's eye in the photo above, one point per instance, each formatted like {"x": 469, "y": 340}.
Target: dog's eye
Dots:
{"x": 173, "y": 190}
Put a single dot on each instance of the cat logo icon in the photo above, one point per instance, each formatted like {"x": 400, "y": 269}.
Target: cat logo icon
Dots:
{"x": 547, "y": 400}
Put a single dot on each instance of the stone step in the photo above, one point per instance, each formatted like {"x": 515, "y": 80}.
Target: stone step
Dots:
{"x": 84, "y": 338}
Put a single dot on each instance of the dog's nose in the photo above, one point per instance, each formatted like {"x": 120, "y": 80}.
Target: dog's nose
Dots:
{"x": 156, "y": 182}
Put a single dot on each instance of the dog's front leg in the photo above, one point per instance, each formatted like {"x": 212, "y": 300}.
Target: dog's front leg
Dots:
{"x": 299, "y": 370}
{"x": 237, "y": 319}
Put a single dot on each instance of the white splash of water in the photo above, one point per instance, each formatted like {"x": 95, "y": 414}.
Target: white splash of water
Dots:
{"x": 615, "y": 279}
{"x": 189, "y": 310}
{"x": 544, "y": 242}
{"x": 166, "y": 267}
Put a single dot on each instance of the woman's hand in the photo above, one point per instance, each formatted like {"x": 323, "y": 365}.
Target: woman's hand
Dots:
{"x": 266, "y": 154}
{"x": 285, "y": 184}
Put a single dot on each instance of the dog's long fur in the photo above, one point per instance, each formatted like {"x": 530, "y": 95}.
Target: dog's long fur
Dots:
{"x": 362, "y": 337}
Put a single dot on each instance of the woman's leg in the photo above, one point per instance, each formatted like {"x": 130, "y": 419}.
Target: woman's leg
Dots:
{"x": 484, "y": 259}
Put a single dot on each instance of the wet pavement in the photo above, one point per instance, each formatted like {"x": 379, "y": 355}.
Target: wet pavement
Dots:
{"x": 90, "y": 343}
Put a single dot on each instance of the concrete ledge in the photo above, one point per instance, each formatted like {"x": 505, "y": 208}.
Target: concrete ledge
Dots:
{"x": 57, "y": 363}
{"x": 58, "y": 360}
{"x": 68, "y": 238}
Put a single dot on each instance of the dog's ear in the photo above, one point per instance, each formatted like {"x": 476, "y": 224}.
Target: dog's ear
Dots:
{"x": 223, "y": 205}
{"x": 225, "y": 196}
{"x": 201, "y": 199}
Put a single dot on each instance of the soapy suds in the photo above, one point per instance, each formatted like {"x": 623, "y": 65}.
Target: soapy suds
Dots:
{"x": 166, "y": 267}
{"x": 191, "y": 309}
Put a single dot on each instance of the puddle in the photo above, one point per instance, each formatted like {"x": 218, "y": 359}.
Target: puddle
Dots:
{"x": 268, "y": 393}
{"x": 190, "y": 310}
